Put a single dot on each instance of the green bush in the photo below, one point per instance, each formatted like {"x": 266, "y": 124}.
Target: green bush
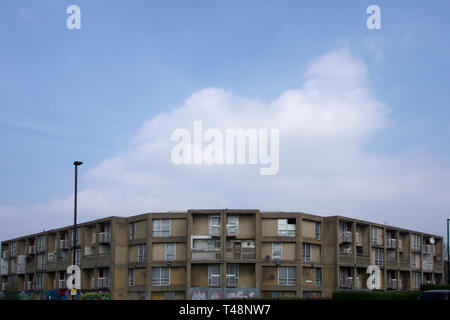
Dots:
{"x": 375, "y": 295}
{"x": 95, "y": 296}
{"x": 425, "y": 287}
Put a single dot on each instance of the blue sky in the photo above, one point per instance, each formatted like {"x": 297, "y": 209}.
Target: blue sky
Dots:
{"x": 87, "y": 94}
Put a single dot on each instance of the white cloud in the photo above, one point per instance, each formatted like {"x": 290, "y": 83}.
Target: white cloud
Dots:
{"x": 323, "y": 169}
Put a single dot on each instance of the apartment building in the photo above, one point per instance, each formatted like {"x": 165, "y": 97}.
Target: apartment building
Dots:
{"x": 213, "y": 254}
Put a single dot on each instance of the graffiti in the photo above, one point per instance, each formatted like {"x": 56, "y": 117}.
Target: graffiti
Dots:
{"x": 217, "y": 293}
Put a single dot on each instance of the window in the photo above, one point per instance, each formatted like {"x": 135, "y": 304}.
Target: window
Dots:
{"x": 378, "y": 256}
{"x": 213, "y": 274}
{"x": 414, "y": 260}
{"x": 318, "y": 276}
{"x": 206, "y": 244}
{"x": 142, "y": 252}
{"x": 214, "y": 226}
{"x": 233, "y": 225}
{"x": 359, "y": 251}
{"x": 170, "y": 251}
{"x": 13, "y": 248}
{"x": 78, "y": 237}
{"x": 41, "y": 243}
{"x": 232, "y": 274}
{"x": 131, "y": 277}
{"x": 306, "y": 252}
{"x": 39, "y": 282}
{"x": 132, "y": 230}
{"x": 287, "y": 276}
{"x": 160, "y": 276}
{"x": 317, "y": 230}
{"x": 286, "y": 227}
{"x": 77, "y": 256}
{"x": 42, "y": 258}
{"x": 416, "y": 242}
{"x": 374, "y": 235}
{"x": 161, "y": 228}
{"x": 276, "y": 250}
{"x": 416, "y": 279}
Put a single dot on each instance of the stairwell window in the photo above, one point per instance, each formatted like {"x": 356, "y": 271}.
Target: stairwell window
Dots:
{"x": 416, "y": 242}
{"x": 170, "y": 251}
{"x": 161, "y": 276}
{"x": 232, "y": 274}
{"x": 306, "y": 252}
{"x": 132, "y": 230}
{"x": 161, "y": 227}
{"x": 142, "y": 252}
{"x": 378, "y": 256}
{"x": 131, "y": 277}
{"x": 213, "y": 274}
{"x": 318, "y": 276}
{"x": 317, "y": 230}
{"x": 374, "y": 235}
{"x": 416, "y": 280}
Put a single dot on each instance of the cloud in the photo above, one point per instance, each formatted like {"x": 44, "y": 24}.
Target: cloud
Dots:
{"x": 324, "y": 167}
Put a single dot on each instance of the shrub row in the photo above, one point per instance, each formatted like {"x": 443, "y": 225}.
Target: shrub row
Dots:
{"x": 375, "y": 295}
{"x": 426, "y": 287}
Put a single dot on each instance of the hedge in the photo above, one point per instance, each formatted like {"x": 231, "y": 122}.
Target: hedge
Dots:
{"x": 375, "y": 295}
{"x": 425, "y": 287}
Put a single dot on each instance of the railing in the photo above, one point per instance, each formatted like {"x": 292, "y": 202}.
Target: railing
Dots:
{"x": 391, "y": 284}
{"x": 240, "y": 255}
{"x": 63, "y": 244}
{"x": 29, "y": 285}
{"x": 215, "y": 231}
{"x": 62, "y": 284}
{"x": 232, "y": 280}
{"x": 41, "y": 247}
{"x": 346, "y": 283}
{"x": 51, "y": 256}
{"x": 286, "y": 233}
{"x": 346, "y": 250}
{"x": 5, "y": 254}
{"x": 20, "y": 269}
{"x": 104, "y": 237}
{"x": 391, "y": 243}
{"x": 206, "y": 255}
{"x": 232, "y": 231}
{"x": 142, "y": 258}
{"x": 99, "y": 283}
{"x": 427, "y": 266}
{"x": 89, "y": 251}
{"x": 346, "y": 236}
{"x": 31, "y": 250}
{"x": 427, "y": 249}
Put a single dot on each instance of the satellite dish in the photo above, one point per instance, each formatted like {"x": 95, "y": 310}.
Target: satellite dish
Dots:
{"x": 432, "y": 240}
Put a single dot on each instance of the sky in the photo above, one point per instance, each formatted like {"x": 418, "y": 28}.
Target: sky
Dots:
{"x": 362, "y": 114}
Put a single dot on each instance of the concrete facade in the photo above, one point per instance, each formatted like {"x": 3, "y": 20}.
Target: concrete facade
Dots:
{"x": 226, "y": 253}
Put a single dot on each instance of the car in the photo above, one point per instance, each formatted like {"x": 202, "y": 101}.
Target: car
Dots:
{"x": 434, "y": 295}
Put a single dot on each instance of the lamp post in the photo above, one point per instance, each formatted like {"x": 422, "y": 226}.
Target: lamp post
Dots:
{"x": 448, "y": 253}
{"x": 76, "y": 164}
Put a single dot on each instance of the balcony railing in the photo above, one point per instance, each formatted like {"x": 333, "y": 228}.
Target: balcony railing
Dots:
{"x": 346, "y": 283}
{"x": 28, "y": 285}
{"x": 102, "y": 237}
{"x": 20, "y": 269}
{"x": 391, "y": 284}
{"x": 63, "y": 244}
{"x": 214, "y": 231}
{"x": 232, "y": 230}
{"x": 206, "y": 255}
{"x": 427, "y": 266}
{"x": 391, "y": 243}
{"x": 62, "y": 284}
{"x": 346, "y": 236}
{"x": 31, "y": 249}
{"x": 89, "y": 251}
{"x": 5, "y": 254}
{"x": 240, "y": 255}
{"x": 100, "y": 283}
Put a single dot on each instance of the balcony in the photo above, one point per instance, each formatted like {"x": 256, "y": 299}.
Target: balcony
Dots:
{"x": 100, "y": 283}
{"x": 427, "y": 266}
{"x": 89, "y": 251}
{"x": 63, "y": 244}
{"x": 427, "y": 249}
{"x": 391, "y": 243}
{"x": 232, "y": 230}
{"x": 5, "y": 254}
{"x": 102, "y": 237}
{"x": 21, "y": 268}
{"x": 31, "y": 250}
{"x": 215, "y": 231}
{"x": 391, "y": 284}
{"x": 28, "y": 285}
{"x": 346, "y": 236}
{"x": 241, "y": 255}
{"x": 206, "y": 255}
{"x": 346, "y": 283}
{"x": 4, "y": 286}
{"x": 62, "y": 284}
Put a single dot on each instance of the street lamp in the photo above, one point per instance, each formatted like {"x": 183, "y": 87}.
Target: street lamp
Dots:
{"x": 76, "y": 164}
{"x": 448, "y": 253}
